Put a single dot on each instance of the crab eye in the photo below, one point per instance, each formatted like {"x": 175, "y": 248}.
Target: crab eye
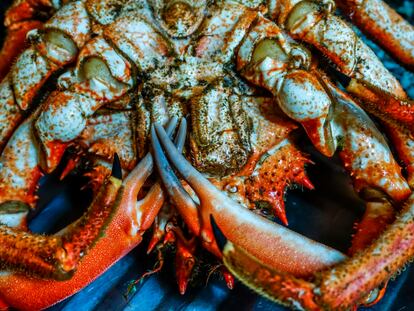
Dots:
{"x": 268, "y": 48}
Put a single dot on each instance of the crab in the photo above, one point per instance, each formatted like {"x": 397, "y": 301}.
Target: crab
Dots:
{"x": 112, "y": 79}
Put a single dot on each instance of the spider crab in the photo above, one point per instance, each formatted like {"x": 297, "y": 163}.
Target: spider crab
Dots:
{"x": 113, "y": 78}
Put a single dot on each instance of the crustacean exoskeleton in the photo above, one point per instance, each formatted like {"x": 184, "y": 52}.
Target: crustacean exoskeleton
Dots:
{"x": 106, "y": 76}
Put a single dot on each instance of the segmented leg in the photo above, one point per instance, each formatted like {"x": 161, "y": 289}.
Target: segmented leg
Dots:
{"x": 57, "y": 257}
{"x": 314, "y": 22}
{"x": 381, "y": 23}
{"x": 20, "y": 18}
{"x": 102, "y": 76}
{"x": 345, "y": 285}
{"x": 129, "y": 220}
{"x": 331, "y": 119}
{"x": 19, "y": 175}
{"x": 254, "y": 232}
{"x": 52, "y": 47}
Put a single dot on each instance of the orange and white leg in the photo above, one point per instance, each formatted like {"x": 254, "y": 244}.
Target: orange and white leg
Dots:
{"x": 52, "y": 47}
{"x": 301, "y": 256}
{"x": 129, "y": 219}
{"x": 101, "y": 76}
{"x": 331, "y": 119}
{"x": 20, "y": 18}
{"x": 315, "y": 23}
{"x": 278, "y": 270}
{"x": 57, "y": 257}
{"x": 382, "y": 24}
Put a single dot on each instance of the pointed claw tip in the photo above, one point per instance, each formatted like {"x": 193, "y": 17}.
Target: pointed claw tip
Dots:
{"x": 283, "y": 218}
{"x": 221, "y": 240}
{"x": 116, "y": 167}
{"x": 229, "y": 279}
{"x": 307, "y": 183}
{"x": 182, "y": 287}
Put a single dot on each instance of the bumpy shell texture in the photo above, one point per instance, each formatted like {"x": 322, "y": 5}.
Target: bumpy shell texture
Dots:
{"x": 318, "y": 214}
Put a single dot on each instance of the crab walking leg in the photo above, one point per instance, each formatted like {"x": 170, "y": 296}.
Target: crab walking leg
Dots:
{"x": 352, "y": 280}
{"x": 101, "y": 76}
{"x": 369, "y": 161}
{"x": 330, "y": 118}
{"x": 314, "y": 22}
{"x": 53, "y": 47}
{"x": 57, "y": 257}
{"x": 274, "y": 285}
{"x": 403, "y": 141}
{"x": 275, "y": 245}
{"x": 121, "y": 235}
{"x": 19, "y": 19}
{"x": 341, "y": 287}
{"x": 384, "y": 25}
{"x": 19, "y": 175}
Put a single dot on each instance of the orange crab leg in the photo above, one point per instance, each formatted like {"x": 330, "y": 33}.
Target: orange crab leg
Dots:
{"x": 20, "y": 19}
{"x": 315, "y": 23}
{"x": 384, "y": 25}
{"x": 14, "y": 44}
{"x": 121, "y": 235}
{"x": 353, "y": 279}
{"x": 339, "y": 288}
{"x": 274, "y": 285}
{"x": 275, "y": 245}
{"x": 343, "y": 286}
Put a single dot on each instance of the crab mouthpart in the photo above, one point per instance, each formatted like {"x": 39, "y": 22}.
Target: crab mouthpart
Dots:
{"x": 181, "y": 18}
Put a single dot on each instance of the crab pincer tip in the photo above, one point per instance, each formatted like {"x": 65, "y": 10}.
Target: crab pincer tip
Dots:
{"x": 221, "y": 240}
{"x": 116, "y": 167}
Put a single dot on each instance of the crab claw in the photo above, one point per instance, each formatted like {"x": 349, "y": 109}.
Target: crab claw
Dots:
{"x": 273, "y": 244}
{"x": 83, "y": 240}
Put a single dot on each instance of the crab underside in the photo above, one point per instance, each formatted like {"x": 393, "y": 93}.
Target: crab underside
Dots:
{"x": 219, "y": 98}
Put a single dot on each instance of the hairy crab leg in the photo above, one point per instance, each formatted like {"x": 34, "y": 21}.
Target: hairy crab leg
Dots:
{"x": 57, "y": 257}
{"x": 277, "y": 286}
{"x": 315, "y": 23}
{"x": 330, "y": 117}
{"x": 266, "y": 240}
{"x": 121, "y": 235}
{"x": 20, "y": 18}
{"x": 346, "y": 284}
{"x": 53, "y": 47}
{"x": 19, "y": 175}
{"x": 384, "y": 25}
{"x": 350, "y": 281}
